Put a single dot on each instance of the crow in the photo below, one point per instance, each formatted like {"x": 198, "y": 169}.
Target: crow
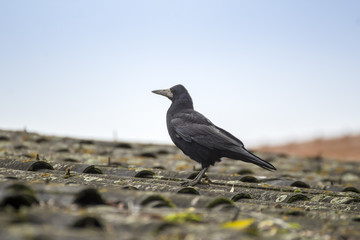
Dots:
{"x": 199, "y": 138}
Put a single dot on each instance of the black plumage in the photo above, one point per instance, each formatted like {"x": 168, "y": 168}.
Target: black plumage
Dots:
{"x": 199, "y": 138}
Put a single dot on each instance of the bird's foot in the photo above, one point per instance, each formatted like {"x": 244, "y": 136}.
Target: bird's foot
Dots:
{"x": 207, "y": 179}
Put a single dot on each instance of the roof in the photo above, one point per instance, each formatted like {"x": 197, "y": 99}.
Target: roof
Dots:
{"x": 56, "y": 188}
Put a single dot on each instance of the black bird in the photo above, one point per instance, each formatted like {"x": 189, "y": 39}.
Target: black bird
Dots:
{"x": 199, "y": 138}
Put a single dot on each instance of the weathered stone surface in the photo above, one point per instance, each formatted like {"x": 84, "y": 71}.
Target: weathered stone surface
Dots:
{"x": 98, "y": 189}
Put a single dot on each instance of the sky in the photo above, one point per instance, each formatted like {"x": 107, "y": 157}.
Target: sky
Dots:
{"x": 267, "y": 71}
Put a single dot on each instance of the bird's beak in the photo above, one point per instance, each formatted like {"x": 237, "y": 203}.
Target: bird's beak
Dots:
{"x": 165, "y": 92}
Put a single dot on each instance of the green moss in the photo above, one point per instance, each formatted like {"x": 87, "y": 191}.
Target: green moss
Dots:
{"x": 158, "y": 201}
{"x": 183, "y": 217}
{"x": 298, "y": 197}
{"x": 239, "y": 196}
{"x": 145, "y": 174}
{"x": 220, "y": 201}
{"x": 294, "y": 213}
{"x": 294, "y": 225}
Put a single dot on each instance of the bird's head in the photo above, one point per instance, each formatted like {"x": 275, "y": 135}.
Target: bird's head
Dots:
{"x": 177, "y": 92}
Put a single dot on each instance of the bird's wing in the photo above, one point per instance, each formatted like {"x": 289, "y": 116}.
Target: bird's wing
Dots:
{"x": 195, "y": 127}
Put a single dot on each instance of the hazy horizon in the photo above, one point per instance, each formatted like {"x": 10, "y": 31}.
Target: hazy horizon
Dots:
{"x": 115, "y": 137}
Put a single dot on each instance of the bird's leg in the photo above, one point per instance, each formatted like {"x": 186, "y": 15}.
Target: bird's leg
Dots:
{"x": 197, "y": 179}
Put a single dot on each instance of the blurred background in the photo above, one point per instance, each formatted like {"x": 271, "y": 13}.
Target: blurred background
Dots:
{"x": 270, "y": 72}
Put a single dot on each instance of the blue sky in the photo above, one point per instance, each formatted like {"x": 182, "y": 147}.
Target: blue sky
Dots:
{"x": 267, "y": 71}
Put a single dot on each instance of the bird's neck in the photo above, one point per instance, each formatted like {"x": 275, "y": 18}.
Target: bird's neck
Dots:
{"x": 181, "y": 104}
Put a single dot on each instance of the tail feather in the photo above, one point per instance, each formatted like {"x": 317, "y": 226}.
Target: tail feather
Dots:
{"x": 247, "y": 156}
